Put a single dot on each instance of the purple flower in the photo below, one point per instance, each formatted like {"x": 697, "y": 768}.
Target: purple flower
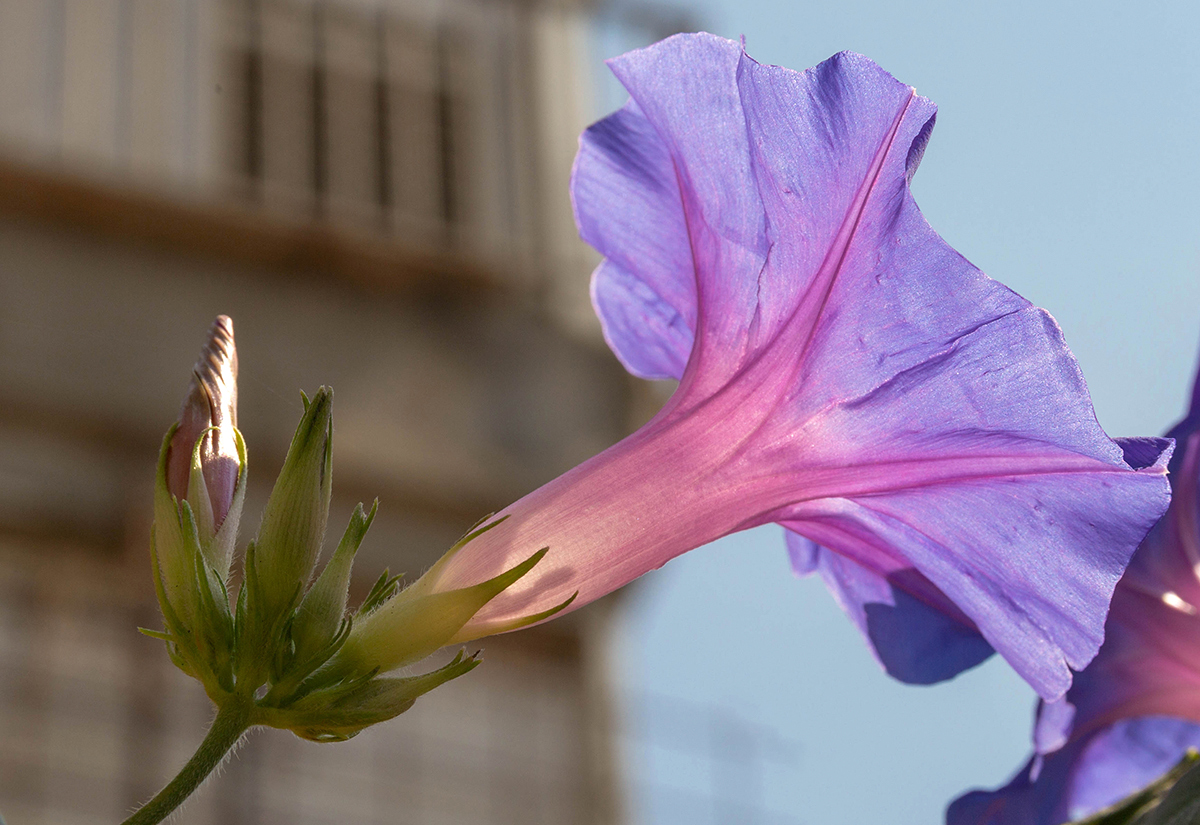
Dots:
{"x": 1135, "y": 710}
{"x": 842, "y": 371}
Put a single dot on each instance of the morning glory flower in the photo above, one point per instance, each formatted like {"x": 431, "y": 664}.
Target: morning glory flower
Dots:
{"x": 1134, "y": 712}
{"x": 842, "y": 371}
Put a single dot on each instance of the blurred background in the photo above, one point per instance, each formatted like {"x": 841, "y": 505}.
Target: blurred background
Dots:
{"x": 376, "y": 191}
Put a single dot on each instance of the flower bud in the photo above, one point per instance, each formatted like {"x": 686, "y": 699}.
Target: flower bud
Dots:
{"x": 198, "y": 493}
{"x": 205, "y": 460}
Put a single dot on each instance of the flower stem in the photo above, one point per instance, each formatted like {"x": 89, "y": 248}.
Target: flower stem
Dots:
{"x": 232, "y": 720}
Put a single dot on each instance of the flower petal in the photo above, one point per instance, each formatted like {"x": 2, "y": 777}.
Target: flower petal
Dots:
{"x": 1190, "y": 424}
{"x": 686, "y": 86}
{"x": 1133, "y": 712}
{"x": 793, "y": 185}
{"x": 914, "y": 641}
{"x": 1126, "y": 757}
{"x": 965, "y": 468}
{"x": 1140, "y": 453}
{"x": 1054, "y": 724}
{"x": 1150, "y": 662}
{"x": 1085, "y": 776}
{"x": 1030, "y": 798}
{"x": 804, "y": 554}
{"x": 211, "y": 403}
{"x": 627, "y": 206}
{"x": 1039, "y": 529}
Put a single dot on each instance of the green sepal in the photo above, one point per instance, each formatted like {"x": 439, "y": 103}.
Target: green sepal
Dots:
{"x": 218, "y": 624}
{"x": 384, "y": 588}
{"x": 1181, "y": 804}
{"x": 172, "y": 649}
{"x": 217, "y": 544}
{"x": 471, "y": 631}
{"x": 176, "y": 656}
{"x": 337, "y": 713}
{"x": 320, "y": 617}
{"x": 429, "y": 580}
{"x": 260, "y": 634}
{"x": 300, "y": 677}
{"x": 173, "y": 561}
{"x": 179, "y": 647}
{"x": 284, "y": 652}
{"x": 240, "y": 617}
{"x": 197, "y": 493}
{"x": 212, "y": 630}
{"x": 293, "y": 523}
{"x": 417, "y": 622}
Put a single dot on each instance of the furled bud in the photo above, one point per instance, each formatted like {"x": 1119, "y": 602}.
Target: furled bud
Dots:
{"x": 204, "y": 458}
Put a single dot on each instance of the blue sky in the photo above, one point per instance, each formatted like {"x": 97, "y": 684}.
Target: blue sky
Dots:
{"x": 1066, "y": 164}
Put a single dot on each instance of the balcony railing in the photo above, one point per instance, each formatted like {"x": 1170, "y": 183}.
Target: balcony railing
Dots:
{"x": 418, "y": 121}
{"x": 443, "y": 125}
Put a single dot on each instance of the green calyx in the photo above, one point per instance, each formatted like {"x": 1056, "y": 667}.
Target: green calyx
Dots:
{"x": 340, "y": 711}
{"x": 422, "y": 618}
{"x": 190, "y": 567}
{"x": 289, "y": 651}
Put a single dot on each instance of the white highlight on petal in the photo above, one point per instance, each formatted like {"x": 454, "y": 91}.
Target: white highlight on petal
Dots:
{"x": 1173, "y": 599}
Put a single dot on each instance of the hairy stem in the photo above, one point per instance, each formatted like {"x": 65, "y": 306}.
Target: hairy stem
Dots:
{"x": 232, "y": 720}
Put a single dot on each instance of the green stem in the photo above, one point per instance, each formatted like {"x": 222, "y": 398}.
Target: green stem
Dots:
{"x": 232, "y": 720}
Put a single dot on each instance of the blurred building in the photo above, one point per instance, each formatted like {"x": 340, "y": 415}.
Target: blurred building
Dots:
{"x": 376, "y": 192}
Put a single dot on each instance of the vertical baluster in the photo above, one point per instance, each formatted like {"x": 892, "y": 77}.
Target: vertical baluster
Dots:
{"x": 383, "y": 131}
{"x": 57, "y": 57}
{"x": 414, "y": 129}
{"x": 254, "y": 97}
{"x": 189, "y": 160}
{"x": 444, "y": 96}
{"x": 123, "y": 119}
{"x": 320, "y": 147}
